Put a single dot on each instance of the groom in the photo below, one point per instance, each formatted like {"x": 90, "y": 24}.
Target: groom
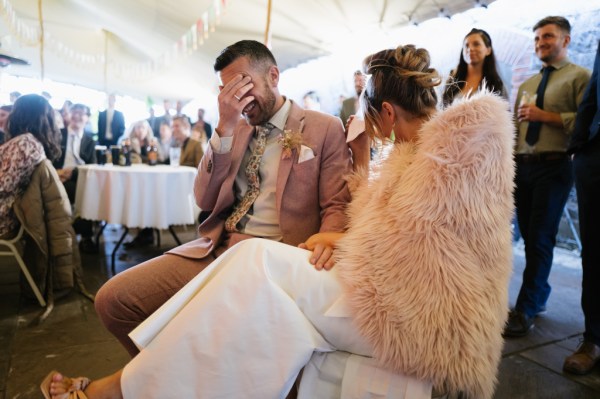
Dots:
{"x": 249, "y": 184}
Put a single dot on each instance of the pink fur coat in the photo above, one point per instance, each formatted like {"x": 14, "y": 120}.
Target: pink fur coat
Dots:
{"x": 427, "y": 258}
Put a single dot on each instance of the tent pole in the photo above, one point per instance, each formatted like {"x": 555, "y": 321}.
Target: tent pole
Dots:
{"x": 41, "y": 20}
{"x": 105, "y": 74}
{"x": 268, "y": 28}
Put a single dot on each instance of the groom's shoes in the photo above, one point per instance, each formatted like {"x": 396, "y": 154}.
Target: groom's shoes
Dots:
{"x": 583, "y": 360}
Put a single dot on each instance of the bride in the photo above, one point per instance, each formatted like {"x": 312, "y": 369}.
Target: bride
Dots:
{"x": 421, "y": 275}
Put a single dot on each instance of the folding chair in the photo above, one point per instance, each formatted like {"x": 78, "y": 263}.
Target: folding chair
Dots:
{"x": 14, "y": 252}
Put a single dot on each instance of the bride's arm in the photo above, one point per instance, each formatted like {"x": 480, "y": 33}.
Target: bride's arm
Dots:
{"x": 322, "y": 245}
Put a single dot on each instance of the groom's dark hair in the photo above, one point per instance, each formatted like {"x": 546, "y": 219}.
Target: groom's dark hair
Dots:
{"x": 257, "y": 52}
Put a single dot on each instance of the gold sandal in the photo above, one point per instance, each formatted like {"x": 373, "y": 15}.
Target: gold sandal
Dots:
{"x": 75, "y": 391}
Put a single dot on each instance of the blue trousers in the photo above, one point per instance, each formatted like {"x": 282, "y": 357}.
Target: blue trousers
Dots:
{"x": 542, "y": 189}
{"x": 587, "y": 181}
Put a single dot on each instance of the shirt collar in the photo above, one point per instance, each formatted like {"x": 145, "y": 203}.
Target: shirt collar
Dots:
{"x": 75, "y": 133}
{"x": 278, "y": 120}
{"x": 558, "y": 65}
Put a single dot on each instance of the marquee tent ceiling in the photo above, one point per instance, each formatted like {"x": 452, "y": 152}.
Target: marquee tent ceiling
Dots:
{"x": 145, "y": 52}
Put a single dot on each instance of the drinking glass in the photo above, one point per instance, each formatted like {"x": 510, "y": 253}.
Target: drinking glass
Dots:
{"x": 174, "y": 156}
{"x": 100, "y": 154}
{"x": 115, "y": 154}
{"x": 528, "y": 98}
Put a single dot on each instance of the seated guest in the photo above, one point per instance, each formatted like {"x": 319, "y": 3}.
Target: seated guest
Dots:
{"x": 29, "y": 183}
{"x": 429, "y": 300}
{"x": 140, "y": 135}
{"x": 65, "y": 113}
{"x": 164, "y": 141}
{"x": 77, "y": 149}
{"x": 4, "y": 112}
{"x": 32, "y": 138}
{"x": 191, "y": 154}
{"x": 191, "y": 149}
{"x": 202, "y": 130}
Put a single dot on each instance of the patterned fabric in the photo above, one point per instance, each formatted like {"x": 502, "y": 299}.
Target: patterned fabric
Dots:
{"x": 253, "y": 179}
{"x": 18, "y": 159}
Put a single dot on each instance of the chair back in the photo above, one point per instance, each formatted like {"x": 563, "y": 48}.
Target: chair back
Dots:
{"x": 13, "y": 251}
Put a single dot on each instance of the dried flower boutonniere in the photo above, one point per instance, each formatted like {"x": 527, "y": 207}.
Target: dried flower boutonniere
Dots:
{"x": 289, "y": 141}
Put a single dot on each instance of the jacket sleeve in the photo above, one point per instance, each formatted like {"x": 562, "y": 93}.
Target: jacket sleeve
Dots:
{"x": 212, "y": 171}
{"x": 119, "y": 123}
{"x": 579, "y": 86}
{"x": 587, "y": 109}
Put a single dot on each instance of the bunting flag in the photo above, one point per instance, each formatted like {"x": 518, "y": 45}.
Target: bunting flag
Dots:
{"x": 189, "y": 42}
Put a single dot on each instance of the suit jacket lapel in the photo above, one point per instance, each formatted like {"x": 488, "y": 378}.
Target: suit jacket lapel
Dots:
{"x": 293, "y": 123}
{"x": 87, "y": 149}
{"x": 63, "y": 146}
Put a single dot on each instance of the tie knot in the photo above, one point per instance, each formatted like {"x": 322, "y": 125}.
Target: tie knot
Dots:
{"x": 264, "y": 130}
{"x": 548, "y": 69}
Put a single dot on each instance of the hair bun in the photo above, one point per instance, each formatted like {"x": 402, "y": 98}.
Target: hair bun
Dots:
{"x": 405, "y": 62}
{"x": 415, "y": 62}
{"x": 401, "y": 76}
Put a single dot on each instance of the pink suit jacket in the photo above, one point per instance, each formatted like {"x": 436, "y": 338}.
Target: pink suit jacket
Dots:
{"x": 311, "y": 196}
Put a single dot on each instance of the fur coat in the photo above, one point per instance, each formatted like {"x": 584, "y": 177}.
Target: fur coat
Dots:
{"x": 428, "y": 256}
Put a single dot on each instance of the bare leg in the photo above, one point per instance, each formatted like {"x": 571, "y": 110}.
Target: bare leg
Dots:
{"x": 104, "y": 388}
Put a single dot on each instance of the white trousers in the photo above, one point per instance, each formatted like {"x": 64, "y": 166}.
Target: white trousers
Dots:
{"x": 244, "y": 327}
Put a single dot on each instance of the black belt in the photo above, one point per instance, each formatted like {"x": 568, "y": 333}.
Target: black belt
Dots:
{"x": 541, "y": 157}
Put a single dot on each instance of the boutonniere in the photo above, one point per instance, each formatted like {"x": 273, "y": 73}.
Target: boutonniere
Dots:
{"x": 290, "y": 140}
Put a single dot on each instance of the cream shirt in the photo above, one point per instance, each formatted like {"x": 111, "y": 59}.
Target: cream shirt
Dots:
{"x": 564, "y": 92}
{"x": 263, "y": 219}
{"x": 110, "y": 112}
{"x": 72, "y": 158}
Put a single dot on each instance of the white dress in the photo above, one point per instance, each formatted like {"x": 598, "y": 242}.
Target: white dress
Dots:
{"x": 248, "y": 324}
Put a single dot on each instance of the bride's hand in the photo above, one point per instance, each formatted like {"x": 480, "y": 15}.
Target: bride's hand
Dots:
{"x": 322, "y": 245}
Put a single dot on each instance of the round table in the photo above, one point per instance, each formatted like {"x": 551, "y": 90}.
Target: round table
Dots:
{"x": 136, "y": 196}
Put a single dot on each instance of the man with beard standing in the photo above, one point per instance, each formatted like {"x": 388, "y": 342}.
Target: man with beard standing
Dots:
{"x": 350, "y": 105}
{"x": 544, "y": 174}
{"x": 249, "y": 184}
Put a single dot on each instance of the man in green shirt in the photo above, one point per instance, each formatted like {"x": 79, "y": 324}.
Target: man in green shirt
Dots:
{"x": 545, "y": 113}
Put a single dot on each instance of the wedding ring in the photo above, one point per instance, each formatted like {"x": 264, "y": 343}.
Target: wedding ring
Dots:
{"x": 237, "y": 98}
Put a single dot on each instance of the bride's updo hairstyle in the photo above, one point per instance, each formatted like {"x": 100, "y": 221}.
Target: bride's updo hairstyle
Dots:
{"x": 400, "y": 76}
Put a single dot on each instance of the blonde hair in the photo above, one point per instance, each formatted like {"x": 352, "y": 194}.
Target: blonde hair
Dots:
{"x": 400, "y": 76}
{"x": 141, "y": 123}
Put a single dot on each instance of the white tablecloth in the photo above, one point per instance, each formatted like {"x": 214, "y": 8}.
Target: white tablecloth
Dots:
{"x": 136, "y": 196}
